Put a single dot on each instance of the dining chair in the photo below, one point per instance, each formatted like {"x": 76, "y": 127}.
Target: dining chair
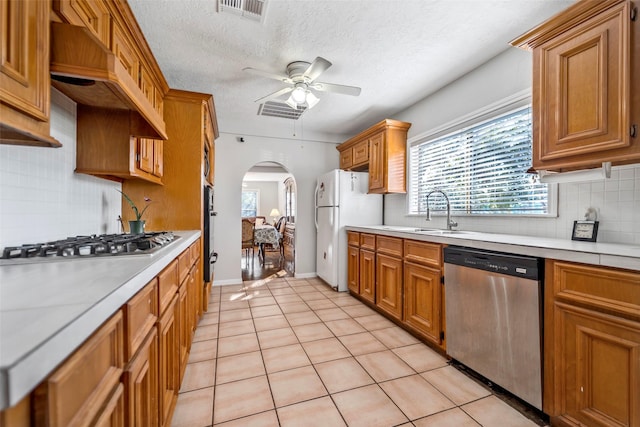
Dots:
{"x": 248, "y": 229}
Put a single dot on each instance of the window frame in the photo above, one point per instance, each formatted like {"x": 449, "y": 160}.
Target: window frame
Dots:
{"x": 257, "y": 192}
{"x": 476, "y": 118}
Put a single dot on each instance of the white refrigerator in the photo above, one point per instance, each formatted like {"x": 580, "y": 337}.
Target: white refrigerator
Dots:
{"x": 341, "y": 200}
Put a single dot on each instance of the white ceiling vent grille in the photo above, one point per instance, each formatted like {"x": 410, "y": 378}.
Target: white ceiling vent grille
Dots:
{"x": 280, "y": 109}
{"x": 249, "y": 9}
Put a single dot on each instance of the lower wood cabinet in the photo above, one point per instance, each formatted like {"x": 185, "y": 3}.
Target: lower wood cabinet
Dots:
{"x": 140, "y": 380}
{"x": 389, "y": 285}
{"x": 169, "y": 336}
{"x": 128, "y": 372}
{"x": 592, "y": 345}
{"x": 86, "y": 389}
{"x": 423, "y": 300}
{"x": 353, "y": 269}
{"x": 368, "y": 275}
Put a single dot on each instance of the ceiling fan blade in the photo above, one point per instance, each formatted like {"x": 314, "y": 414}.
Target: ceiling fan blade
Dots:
{"x": 281, "y": 77}
{"x": 331, "y": 87}
{"x": 274, "y": 94}
{"x": 317, "y": 67}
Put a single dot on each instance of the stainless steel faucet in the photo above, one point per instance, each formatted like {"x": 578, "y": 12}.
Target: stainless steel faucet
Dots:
{"x": 450, "y": 222}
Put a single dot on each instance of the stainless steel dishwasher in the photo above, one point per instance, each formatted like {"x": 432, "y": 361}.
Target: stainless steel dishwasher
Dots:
{"x": 493, "y": 314}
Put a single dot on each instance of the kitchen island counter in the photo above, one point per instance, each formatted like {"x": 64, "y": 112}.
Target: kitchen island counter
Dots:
{"x": 604, "y": 254}
{"x": 49, "y": 308}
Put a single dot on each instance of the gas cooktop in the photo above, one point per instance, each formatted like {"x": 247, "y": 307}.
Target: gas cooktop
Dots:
{"x": 89, "y": 246}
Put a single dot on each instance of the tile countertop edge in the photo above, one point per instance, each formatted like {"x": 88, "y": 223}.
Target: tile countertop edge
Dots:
{"x": 19, "y": 379}
{"x": 581, "y": 252}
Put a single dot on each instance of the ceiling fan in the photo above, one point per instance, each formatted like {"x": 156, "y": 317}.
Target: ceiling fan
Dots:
{"x": 300, "y": 80}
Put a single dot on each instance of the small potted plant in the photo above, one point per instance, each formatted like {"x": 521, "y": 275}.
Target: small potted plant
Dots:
{"x": 136, "y": 226}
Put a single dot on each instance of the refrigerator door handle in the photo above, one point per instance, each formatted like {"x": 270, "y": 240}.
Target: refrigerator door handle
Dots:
{"x": 315, "y": 219}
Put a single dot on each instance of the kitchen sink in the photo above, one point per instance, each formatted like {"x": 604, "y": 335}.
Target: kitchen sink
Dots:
{"x": 439, "y": 231}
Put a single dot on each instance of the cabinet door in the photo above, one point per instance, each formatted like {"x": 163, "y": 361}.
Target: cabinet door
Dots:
{"x": 376, "y": 162}
{"x": 597, "y": 368}
{"x": 77, "y": 392}
{"x": 169, "y": 369}
{"x": 182, "y": 320}
{"x": 112, "y": 413}
{"x": 346, "y": 159}
{"x": 123, "y": 49}
{"x": 158, "y": 164}
{"x": 368, "y": 275}
{"x": 389, "y": 285}
{"x": 422, "y": 300}
{"x": 92, "y": 14}
{"x": 141, "y": 384}
{"x": 582, "y": 92}
{"x": 24, "y": 70}
{"x": 145, "y": 154}
{"x": 361, "y": 153}
{"x": 353, "y": 269}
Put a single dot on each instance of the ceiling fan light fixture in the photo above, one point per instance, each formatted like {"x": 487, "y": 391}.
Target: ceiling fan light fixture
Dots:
{"x": 312, "y": 100}
{"x": 291, "y": 103}
{"x": 299, "y": 94}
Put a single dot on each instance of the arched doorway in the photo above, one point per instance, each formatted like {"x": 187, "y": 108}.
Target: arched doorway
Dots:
{"x": 268, "y": 211}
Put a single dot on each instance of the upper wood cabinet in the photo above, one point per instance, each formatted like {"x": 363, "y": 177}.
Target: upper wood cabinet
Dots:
{"x": 381, "y": 150}
{"x": 586, "y": 94}
{"x": 99, "y": 58}
{"x": 24, "y": 73}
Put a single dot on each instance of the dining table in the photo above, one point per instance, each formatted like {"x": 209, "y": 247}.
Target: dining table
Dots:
{"x": 265, "y": 234}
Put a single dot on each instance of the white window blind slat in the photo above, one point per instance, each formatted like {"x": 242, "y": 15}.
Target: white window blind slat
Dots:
{"x": 481, "y": 168}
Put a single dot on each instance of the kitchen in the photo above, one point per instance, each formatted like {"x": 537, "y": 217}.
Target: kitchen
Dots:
{"x": 82, "y": 204}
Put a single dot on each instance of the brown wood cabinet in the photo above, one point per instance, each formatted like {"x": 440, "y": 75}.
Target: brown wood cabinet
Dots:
{"x": 592, "y": 345}
{"x": 353, "y": 269}
{"x": 389, "y": 292}
{"x": 24, "y": 74}
{"x": 100, "y": 41}
{"x": 586, "y": 94}
{"x": 86, "y": 388}
{"x": 381, "y": 150}
{"x": 129, "y": 371}
{"x": 423, "y": 293}
{"x": 178, "y": 204}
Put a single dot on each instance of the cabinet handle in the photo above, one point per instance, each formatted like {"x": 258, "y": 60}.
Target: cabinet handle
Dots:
{"x": 633, "y": 14}
{"x": 632, "y": 131}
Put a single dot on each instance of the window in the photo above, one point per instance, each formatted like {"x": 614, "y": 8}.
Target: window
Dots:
{"x": 481, "y": 167}
{"x": 250, "y": 203}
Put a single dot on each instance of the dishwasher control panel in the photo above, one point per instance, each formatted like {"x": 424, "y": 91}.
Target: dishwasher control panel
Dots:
{"x": 497, "y": 262}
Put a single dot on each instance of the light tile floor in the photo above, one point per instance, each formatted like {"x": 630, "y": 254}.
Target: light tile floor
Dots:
{"x": 293, "y": 352}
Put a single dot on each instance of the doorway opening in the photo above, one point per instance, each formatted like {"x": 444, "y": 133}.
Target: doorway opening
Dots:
{"x": 268, "y": 215}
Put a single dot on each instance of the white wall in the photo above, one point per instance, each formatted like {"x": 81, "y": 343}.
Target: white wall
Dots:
{"x": 42, "y": 199}
{"x": 303, "y": 159}
{"x": 617, "y": 199}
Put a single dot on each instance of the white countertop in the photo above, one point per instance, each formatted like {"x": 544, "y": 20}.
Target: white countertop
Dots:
{"x": 48, "y": 309}
{"x": 605, "y": 254}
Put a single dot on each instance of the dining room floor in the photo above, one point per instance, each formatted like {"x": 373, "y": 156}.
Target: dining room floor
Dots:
{"x": 293, "y": 352}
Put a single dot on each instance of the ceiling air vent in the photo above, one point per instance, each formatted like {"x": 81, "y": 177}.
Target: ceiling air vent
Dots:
{"x": 280, "y": 109}
{"x": 249, "y": 9}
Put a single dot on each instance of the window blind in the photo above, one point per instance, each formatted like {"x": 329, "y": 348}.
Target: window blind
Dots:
{"x": 482, "y": 168}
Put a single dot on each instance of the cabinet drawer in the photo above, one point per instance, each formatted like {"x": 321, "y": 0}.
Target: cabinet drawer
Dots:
{"x": 146, "y": 85}
{"x": 140, "y": 314}
{"x": 423, "y": 253}
{"x": 76, "y": 393}
{"x": 195, "y": 252}
{"x": 184, "y": 264}
{"x": 353, "y": 238}
{"x": 361, "y": 153}
{"x": 368, "y": 241}
{"x": 604, "y": 288}
{"x": 389, "y": 245}
{"x": 167, "y": 286}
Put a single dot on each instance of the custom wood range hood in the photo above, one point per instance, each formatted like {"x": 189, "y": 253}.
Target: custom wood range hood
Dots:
{"x": 86, "y": 71}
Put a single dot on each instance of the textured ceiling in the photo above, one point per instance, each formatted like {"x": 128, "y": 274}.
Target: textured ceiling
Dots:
{"x": 397, "y": 51}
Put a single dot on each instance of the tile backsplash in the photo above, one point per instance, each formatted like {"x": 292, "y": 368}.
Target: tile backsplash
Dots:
{"x": 42, "y": 198}
{"x": 617, "y": 201}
